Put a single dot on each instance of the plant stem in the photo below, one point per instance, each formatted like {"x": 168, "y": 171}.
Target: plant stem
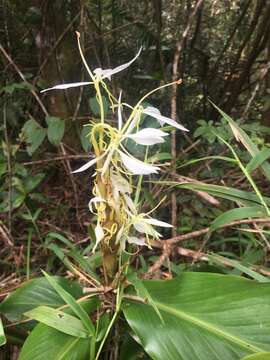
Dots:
{"x": 29, "y": 240}
{"x": 117, "y": 309}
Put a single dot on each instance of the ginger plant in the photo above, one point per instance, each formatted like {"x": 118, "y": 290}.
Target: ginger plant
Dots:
{"x": 115, "y": 191}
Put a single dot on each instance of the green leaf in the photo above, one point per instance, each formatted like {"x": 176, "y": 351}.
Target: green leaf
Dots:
{"x": 221, "y": 260}
{"x": 46, "y": 343}
{"x": 34, "y": 135}
{"x": 75, "y": 254}
{"x": 206, "y": 316}
{"x": 160, "y": 157}
{"x": 259, "y": 356}
{"x": 35, "y": 293}
{"x": 85, "y": 141}
{"x": 225, "y": 192}
{"x": 3, "y": 339}
{"x": 31, "y": 182}
{"x": 56, "y": 129}
{"x": 238, "y": 214}
{"x": 240, "y": 135}
{"x": 94, "y": 105}
{"x": 76, "y": 307}
{"x": 58, "y": 320}
{"x": 258, "y": 160}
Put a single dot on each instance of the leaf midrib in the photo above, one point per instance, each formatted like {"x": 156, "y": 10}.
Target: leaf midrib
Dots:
{"x": 209, "y": 327}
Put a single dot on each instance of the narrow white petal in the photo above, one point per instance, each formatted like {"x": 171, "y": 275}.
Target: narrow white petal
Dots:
{"x": 135, "y": 240}
{"x": 136, "y": 166}
{"x": 66, "y": 86}
{"x": 119, "y": 235}
{"x": 148, "y": 136}
{"x": 99, "y": 233}
{"x": 142, "y": 227}
{"x": 88, "y": 164}
{"x": 156, "y": 222}
{"x": 107, "y": 161}
{"x": 155, "y": 113}
{"x": 107, "y": 73}
{"x": 130, "y": 204}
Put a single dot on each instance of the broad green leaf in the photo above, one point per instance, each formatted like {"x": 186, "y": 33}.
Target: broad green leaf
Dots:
{"x": 94, "y": 105}
{"x": 56, "y": 129}
{"x": 259, "y": 356}
{"x": 35, "y": 293}
{"x": 76, "y": 307}
{"x": 58, "y": 320}
{"x": 238, "y": 214}
{"x": 46, "y": 343}
{"x": 206, "y": 316}
{"x": 34, "y": 135}
{"x": 3, "y": 339}
{"x": 258, "y": 159}
{"x": 241, "y": 136}
{"x": 85, "y": 141}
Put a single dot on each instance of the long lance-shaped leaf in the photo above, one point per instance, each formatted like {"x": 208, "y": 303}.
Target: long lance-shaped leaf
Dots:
{"x": 78, "y": 310}
{"x": 258, "y": 160}
{"x": 221, "y": 260}
{"x": 58, "y": 320}
{"x": 238, "y": 214}
{"x": 225, "y": 192}
{"x": 241, "y": 136}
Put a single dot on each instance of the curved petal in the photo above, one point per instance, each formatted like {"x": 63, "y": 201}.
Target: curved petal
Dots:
{"x": 95, "y": 200}
{"x": 99, "y": 233}
{"x": 107, "y": 73}
{"x": 67, "y": 86}
{"x": 155, "y": 113}
{"x": 136, "y": 166}
{"x": 88, "y": 164}
{"x": 148, "y": 136}
{"x": 136, "y": 240}
{"x": 156, "y": 222}
{"x": 142, "y": 227}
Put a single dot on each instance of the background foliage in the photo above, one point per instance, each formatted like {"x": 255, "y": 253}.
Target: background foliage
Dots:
{"x": 221, "y": 52}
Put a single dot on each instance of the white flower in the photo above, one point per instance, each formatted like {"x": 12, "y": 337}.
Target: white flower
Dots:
{"x": 148, "y": 136}
{"x": 119, "y": 186}
{"x": 137, "y": 167}
{"x": 89, "y": 164}
{"x": 155, "y": 113}
{"x": 99, "y": 233}
{"x": 102, "y": 74}
{"x": 135, "y": 240}
{"x": 144, "y": 225}
{"x": 67, "y": 86}
{"x": 99, "y": 75}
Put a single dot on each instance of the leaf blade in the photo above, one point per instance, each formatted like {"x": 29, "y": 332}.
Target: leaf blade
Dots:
{"x": 58, "y": 320}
